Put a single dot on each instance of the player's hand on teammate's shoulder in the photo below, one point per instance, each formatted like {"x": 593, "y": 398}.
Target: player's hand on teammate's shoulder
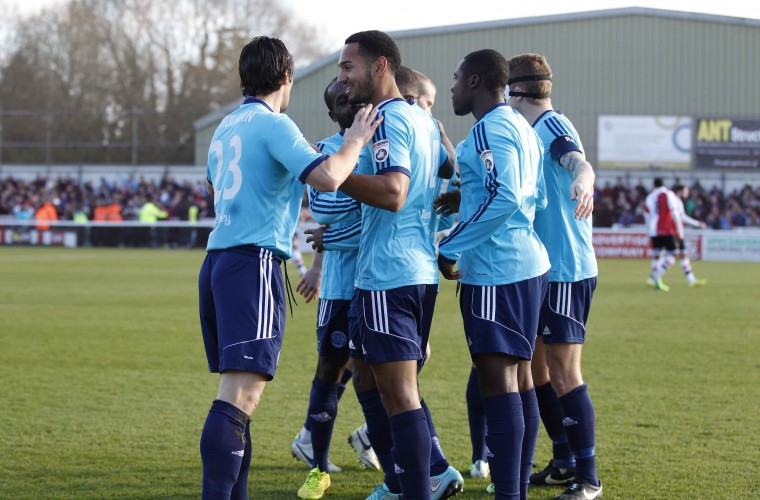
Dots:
{"x": 366, "y": 121}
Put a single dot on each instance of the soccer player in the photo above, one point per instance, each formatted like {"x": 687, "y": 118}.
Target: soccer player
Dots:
{"x": 663, "y": 220}
{"x": 257, "y": 163}
{"x": 565, "y": 229}
{"x": 335, "y": 293}
{"x": 425, "y": 92}
{"x": 503, "y": 264}
{"x": 396, "y": 276}
{"x": 682, "y": 253}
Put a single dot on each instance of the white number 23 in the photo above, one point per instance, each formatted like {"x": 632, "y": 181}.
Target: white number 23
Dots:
{"x": 220, "y": 191}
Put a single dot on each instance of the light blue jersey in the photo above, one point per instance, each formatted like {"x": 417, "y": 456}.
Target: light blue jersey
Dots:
{"x": 567, "y": 239}
{"x": 441, "y": 222}
{"x": 502, "y": 186}
{"x": 396, "y": 249}
{"x": 339, "y": 211}
{"x": 257, "y": 162}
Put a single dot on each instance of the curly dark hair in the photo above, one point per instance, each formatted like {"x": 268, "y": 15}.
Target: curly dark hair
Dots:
{"x": 373, "y": 44}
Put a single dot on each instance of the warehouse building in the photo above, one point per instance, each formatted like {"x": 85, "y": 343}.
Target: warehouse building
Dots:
{"x": 644, "y": 87}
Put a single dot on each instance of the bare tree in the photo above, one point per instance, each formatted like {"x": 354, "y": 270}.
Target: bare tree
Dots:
{"x": 91, "y": 80}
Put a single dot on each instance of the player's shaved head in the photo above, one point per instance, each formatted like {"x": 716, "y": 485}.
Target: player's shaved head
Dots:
{"x": 490, "y": 66}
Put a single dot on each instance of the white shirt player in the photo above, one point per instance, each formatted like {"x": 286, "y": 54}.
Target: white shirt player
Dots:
{"x": 663, "y": 212}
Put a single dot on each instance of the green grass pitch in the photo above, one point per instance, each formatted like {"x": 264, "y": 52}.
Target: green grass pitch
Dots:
{"x": 105, "y": 386}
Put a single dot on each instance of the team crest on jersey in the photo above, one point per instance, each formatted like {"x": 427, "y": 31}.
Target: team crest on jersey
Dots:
{"x": 381, "y": 150}
{"x": 487, "y": 158}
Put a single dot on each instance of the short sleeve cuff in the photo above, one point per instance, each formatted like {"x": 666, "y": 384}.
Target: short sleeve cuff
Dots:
{"x": 403, "y": 170}
{"x": 311, "y": 167}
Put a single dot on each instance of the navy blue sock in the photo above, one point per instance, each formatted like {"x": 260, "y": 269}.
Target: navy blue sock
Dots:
{"x": 438, "y": 462}
{"x": 240, "y": 490}
{"x": 379, "y": 433}
{"x": 532, "y": 423}
{"x": 551, "y": 416}
{"x": 579, "y": 426}
{"x": 323, "y": 408}
{"x": 222, "y": 449}
{"x": 476, "y": 417}
{"x": 506, "y": 427}
{"x": 347, "y": 374}
{"x": 411, "y": 453}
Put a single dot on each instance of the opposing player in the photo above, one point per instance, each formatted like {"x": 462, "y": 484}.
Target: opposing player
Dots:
{"x": 565, "y": 229}
{"x": 257, "y": 163}
{"x": 682, "y": 252}
{"x": 396, "y": 276}
{"x": 662, "y": 209}
{"x": 503, "y": 264}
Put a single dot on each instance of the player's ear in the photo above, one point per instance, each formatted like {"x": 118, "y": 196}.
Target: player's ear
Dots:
{"x": 332, "y": 116}
{"x": 474, "y": 80}
{"x": 380, "y": 64}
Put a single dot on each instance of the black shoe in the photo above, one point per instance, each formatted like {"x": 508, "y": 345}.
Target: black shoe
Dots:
{"x": 552, "y": 476}
{"x": 581, "y": 491}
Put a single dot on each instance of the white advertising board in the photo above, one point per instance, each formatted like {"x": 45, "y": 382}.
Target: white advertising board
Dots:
{"x": 644, "y": 141}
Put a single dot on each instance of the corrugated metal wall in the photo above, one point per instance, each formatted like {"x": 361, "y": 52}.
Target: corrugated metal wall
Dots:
{"x": 660, "y": 63}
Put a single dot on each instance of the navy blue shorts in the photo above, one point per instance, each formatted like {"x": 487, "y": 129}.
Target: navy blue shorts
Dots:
{"x": 332, "y": 328}
{"x": 392, "y": 325}
{"x": 565, "y": 311}
{"x": 242, "y": 309}
{"x": 503, "y": 318}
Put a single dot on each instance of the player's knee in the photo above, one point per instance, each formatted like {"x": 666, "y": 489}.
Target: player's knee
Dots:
{"x": 400, "y": 401}
{"x": 363, "y": 378}
{"x": 563, "y": 383}
{"x": 329, "y": 369}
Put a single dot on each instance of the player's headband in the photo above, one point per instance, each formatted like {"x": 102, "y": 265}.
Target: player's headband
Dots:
{"x": 530, "y": 78}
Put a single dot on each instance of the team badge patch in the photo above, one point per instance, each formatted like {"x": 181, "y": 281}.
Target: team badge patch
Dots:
{"x": 338, "y": 339}
{"x": 381, "y": 150}
{"x": 487, "y": 158}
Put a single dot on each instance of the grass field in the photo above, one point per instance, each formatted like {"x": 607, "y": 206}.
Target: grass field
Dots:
{"x": 105, "y": 386}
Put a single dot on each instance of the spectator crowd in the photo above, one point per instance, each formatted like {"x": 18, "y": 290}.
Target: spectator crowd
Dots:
{"x": 133, "y": 199}
{"x": 48, "y": 199}
{"x": 618, "y": 204}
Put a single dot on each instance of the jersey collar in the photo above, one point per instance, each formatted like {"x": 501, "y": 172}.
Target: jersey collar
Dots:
{"x": 382, "y": 104}
{"x": 253, "y": 100}
{"x": 544, "y": 114}
{"x": 490, "y": 110}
